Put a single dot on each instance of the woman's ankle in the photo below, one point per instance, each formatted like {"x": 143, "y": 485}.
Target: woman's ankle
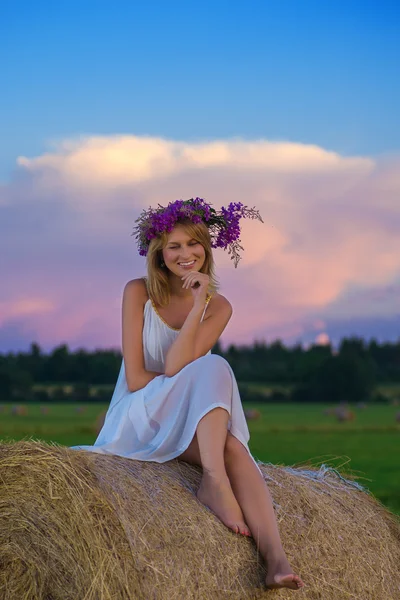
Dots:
{"x": 275, "y": 558}
{"x": 212, "y": 474}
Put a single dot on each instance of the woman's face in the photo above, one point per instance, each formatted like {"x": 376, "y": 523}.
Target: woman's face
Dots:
{"x": 180, "y": 249}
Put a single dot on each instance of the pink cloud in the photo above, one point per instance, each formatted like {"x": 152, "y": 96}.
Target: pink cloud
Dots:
{"x": 332, "y": 224}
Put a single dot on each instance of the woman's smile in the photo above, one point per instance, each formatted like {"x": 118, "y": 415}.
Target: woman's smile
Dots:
{"x": 187, "y": 265}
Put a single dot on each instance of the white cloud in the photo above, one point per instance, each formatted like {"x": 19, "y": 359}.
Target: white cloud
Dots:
{"x": 331, "y": 223}
{"x": 121, "y": 160}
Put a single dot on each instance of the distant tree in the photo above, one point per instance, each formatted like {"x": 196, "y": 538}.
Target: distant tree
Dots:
{"x": 14, "y": 383}
{"x": 31, "y": 361}
{"x": 310, "y": 361}
{"x": 104, "y": 367}
{"x": 342, "y": 378}
{"x": 41, "y": 396}
{"x": 79, "y": 366}
{"x": 261, "y": 362}
{"x": 217, "y": 349}
{"x": 57, "y": 364}
{"x": 5, "y": 381}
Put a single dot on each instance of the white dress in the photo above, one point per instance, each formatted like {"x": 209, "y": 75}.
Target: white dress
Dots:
{"x": 158, "y": 422}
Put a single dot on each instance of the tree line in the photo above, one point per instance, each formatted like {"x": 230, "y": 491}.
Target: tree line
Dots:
{"x": 318, "y": 373}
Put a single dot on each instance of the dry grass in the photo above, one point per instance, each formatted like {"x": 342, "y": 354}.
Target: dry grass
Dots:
{"x": 76, "y": 525}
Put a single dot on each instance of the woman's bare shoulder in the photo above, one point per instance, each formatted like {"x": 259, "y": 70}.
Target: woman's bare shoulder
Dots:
{"x": 136, "y": 288}
{"x": 219, "y": 303}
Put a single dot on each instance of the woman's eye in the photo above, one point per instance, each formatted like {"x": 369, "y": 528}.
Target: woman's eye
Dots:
{"x": 176, "y": 247}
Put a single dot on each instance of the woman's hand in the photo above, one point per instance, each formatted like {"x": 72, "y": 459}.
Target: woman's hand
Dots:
{"x": 198, "y": 284}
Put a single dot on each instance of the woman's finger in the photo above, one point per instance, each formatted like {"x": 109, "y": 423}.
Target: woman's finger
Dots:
{"x": 187, "y": 279}
{"x": 186, "y": 276}
{"x": 191, "y": 277}
{"x": 188, "y": 283}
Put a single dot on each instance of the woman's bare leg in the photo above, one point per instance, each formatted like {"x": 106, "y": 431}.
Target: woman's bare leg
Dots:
{"x": 255, "y": 501}
{"x": 215, "y": 489}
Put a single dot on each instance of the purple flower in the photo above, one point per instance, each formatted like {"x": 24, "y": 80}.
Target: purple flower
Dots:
{"x": 223, "y": 225}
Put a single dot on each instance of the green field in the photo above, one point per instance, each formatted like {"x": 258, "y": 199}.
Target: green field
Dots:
{"x": 290, "y": 434}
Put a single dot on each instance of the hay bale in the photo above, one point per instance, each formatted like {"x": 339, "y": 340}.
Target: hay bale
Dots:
{"x": 252, "y": 414}
{"x": 343, "y": 415}
{"x": 19, "y": 409}
{"x": 75, "y": 524}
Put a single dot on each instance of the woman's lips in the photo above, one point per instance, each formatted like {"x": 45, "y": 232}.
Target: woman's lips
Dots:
{"x": 189, "y": 266}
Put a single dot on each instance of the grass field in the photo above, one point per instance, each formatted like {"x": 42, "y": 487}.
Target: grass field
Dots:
{"x": 368, "y": 446}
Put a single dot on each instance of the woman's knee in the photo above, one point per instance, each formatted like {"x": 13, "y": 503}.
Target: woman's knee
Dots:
{"x": 214, "y": 364}
{"x": 214, "y": 359}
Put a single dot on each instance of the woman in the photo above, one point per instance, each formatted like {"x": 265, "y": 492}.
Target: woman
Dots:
{"x": 173, "y": 398}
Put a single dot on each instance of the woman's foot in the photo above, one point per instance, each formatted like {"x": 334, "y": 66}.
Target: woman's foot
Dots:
{"x": 281, "y": 575}
{"x": 216, "y": 493}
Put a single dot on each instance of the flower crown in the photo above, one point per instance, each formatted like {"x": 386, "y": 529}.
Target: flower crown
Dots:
{"x": 223, "y": 224}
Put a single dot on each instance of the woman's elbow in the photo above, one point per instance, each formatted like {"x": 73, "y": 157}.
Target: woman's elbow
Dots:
{"x": 170, "y": 372}
{"x": 133, "y": 388}
{"x": 134, "y": 382}
{"x": 172, "y": 369}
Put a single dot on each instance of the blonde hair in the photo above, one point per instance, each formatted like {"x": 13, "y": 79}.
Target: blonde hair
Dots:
{"x": 157, "y": 276}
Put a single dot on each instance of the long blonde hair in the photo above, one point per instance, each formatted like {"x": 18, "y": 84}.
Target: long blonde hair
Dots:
{"x": 157, "y": 276}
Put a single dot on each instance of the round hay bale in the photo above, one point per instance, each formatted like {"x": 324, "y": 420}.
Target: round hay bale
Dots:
{"x": 345, "y": 415}
{"x": 75, "y": 524}
{"x": 19, "y": 409}
{"x": 252, "y": 414}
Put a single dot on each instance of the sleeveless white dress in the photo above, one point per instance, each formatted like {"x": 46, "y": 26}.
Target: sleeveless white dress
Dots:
{"x": 158, "y": 422}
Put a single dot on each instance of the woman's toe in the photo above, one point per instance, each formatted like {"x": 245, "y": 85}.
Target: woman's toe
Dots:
{"x": 244, "y": 530}
{"x": 235, "y": 527}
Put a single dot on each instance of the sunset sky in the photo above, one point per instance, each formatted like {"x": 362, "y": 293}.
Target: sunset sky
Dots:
{"x": 291, "y": 106}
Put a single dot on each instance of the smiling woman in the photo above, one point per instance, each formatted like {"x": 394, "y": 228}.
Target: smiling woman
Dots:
{"x": 173, "y": 398}
{"x": 188, "y": 242}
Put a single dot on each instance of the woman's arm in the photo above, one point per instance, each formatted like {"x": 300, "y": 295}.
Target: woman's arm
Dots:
{"x": 196, "y": 338}
{"x": 133, "y": 301}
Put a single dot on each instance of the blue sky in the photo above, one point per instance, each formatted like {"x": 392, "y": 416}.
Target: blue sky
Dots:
{"x": 299, "y": 70}
{"x": 289, "y": 105}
